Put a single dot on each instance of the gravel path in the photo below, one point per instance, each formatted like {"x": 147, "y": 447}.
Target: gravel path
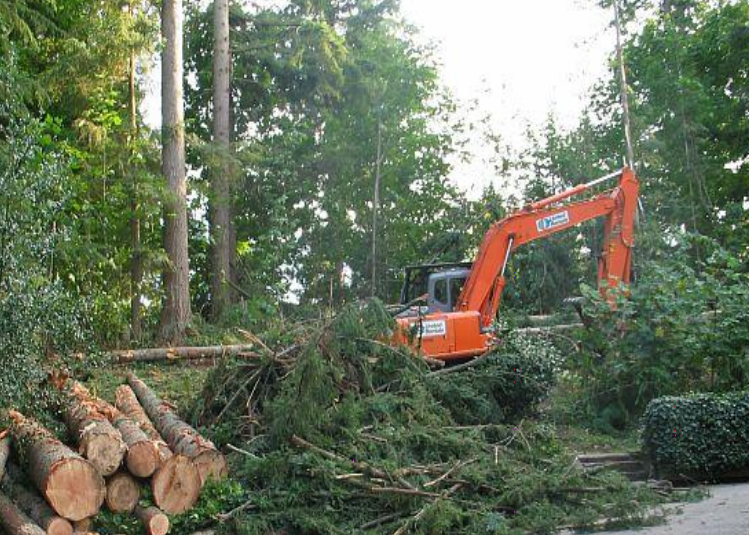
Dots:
{"x": 724, "y": 512}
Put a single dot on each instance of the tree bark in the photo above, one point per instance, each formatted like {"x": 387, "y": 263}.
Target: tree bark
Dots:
{"x": 181, "y": 437}
{"x": 136, "y": 261}
{"x": 33, "y": 505}
{"x": 180, "y": 353}
{"x": 176, "y": 314}
{"x": 376, "y": 202}
{"x": 123, "y": 493}
{"x": 154, "y": 521}
{"x": 222, "y": 233}
{"x": 58, "y": 472}
{"x": 97, "y": 439}
{"x": 142, "y": 458}
{"x": 15, "y": 521}
{"x": 83, "y": 526}
{"x": 176, "y": 483}
{"x": 4, "y": 453}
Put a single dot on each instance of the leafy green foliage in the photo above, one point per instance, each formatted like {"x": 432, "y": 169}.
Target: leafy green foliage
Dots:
{"x": 702, "y": 435}
{"x": 41, "y": 325}
{"x": 507, "y": 386}
{"x": 677, "y": 331}
{"x": 364, "y": 401}
{"x": 216, "y": 498}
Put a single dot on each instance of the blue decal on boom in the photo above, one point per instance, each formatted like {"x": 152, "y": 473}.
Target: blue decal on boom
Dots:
{"x": 552, "y": 221}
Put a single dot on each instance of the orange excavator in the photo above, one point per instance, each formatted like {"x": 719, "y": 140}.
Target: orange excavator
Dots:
{"x": 461, "y": 300}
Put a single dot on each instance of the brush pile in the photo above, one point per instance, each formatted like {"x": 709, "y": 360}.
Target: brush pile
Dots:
{"x": 136, "y": 448}
{"x": 342, "y": 434}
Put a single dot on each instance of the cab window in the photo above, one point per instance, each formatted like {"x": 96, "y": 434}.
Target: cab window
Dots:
{"x": 456, "y": 286}
{"x": 440, "y": 291}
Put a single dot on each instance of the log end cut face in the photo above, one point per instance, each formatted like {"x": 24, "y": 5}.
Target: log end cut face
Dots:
{"x": 59, "y": 526}
{"x": 176, "y": 485}
{"x": 143, "y": 459}
{"x": 105, "y": 452}
{"x": 211, "y": 464}
{"x": 158, "y": 524}
{"x": 123, "y": 493}
{"x": 74, "y": 489}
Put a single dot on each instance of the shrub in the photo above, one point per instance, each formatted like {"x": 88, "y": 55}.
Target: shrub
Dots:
{"x": 703, "y": 435}
{"x": 508, "y": 385}
{"x": 678, "y": 331}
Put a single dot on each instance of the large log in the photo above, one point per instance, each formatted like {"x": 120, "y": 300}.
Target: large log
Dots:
{"x": 142, "y": 458}
{"x": 181, "y": 353}
{"x": 128, "y": 404}
{"x": 4, "y": 452}
{"x": 71, "y": 485}
{"x": 15, "y": 521}
{"x": 97, "y": 439}
{"x": 181, "y": 437}
{"x": 154, "y": 521}
{"x": 32, "y": 504}
{"x": 176, "y": 483}
{"x": 123, "y": 493}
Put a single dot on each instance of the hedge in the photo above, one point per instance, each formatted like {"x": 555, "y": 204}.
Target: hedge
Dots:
{"x": 702, "y": 435}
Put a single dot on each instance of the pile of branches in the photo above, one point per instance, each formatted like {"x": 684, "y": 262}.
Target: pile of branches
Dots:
{"x": 340, "y": 433}
{"x": 136, "y": 457}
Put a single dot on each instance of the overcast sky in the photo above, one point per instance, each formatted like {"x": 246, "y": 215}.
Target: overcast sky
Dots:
{"x": 534, "y": 57}
{"x": 523, "y": 58}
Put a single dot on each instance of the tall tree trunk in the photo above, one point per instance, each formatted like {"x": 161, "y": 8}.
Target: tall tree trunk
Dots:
{"x": 175, "y": 315}
{"x": 136, "y": 262}
{"x": 221, "y": 210}
{"x": 624, "y": 89}
{"x": 376, "y": 202}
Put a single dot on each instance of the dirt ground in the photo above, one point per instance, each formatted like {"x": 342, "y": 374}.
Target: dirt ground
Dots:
{"x": 724, "y": 512}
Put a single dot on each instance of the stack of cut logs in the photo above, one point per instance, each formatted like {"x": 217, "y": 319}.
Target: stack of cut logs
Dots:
{"x": 138, "y": 440}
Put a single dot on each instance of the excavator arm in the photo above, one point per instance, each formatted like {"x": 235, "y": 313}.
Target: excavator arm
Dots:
{"x": 483, "y": 289}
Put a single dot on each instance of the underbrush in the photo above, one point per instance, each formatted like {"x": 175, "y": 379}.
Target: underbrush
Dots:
{"x": 342, "y": 433}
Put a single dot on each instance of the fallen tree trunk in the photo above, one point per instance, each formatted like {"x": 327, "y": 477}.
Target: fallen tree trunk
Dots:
{"x": 98, "y": 440}
{"x": 33, "y": 505}
{"x": 176, "y": 483}
{"x": 58, "y": 472}
{"x": 126, "y": 402}
{"x": 142, "y": 457}
{"x": 4, "y": 452}
{"x": 15, "y": 521}
{"x": 154, "y": 521}
{"x": 181, "y": 437}
{"x": 123, "y": 493}
{"x": 181, "y": 353}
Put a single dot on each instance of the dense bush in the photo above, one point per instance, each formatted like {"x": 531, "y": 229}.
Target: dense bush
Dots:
{"x": 679, "y": 330}
{"x": 702, "y": 435}
{"x": 508, "y": 385}
{"x": 41, "y": 325}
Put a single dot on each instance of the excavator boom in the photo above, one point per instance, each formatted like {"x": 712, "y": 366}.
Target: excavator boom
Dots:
{"x": 461, "y": 329}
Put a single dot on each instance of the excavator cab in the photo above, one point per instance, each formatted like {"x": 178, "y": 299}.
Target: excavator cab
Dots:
{"x": 440, "y": 283}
